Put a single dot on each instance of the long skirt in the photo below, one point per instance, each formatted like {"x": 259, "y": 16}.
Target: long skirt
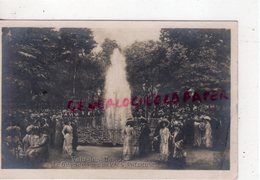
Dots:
{"x": 208, "y": 137}
{"x": 58, "y": 141}
{"x": 177, "y": 159}
{"x": 144, "y": 145}
{"x": 67, "y": 145}
{"x": 197, "y": 136}
{"x": 164, "y": 151}
{"x": 128, "y": 148}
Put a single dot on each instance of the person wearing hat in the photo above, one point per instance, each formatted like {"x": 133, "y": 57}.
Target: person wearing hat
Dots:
{"x": 67, "y": 132}
{"x": 74, "y": 124}
{"x": 188, "y": 128}
{"x": 13, "y": 132}
{"x": 171, "y": 126}
{"x": 144, "y": 138}
{"x": 52, "y": 130}
{"x": 44, "y": 125}
{"x": 43, "y": 146}
{"x": 198, "y": 131}
{"x": 177, "y": 158}
{"x": 32, "y": 140}
{"x": 157, "y": 139}
{"x": 207, "y": 139}
{"x": 58, "y": 138}
{"x": 26, "y": 138}
{"x": 128, "y": 140}
{"x": 164, "y": 134}
{"x": 38, "y": 144}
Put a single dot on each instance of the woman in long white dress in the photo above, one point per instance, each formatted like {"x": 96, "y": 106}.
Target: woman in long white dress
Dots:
{"x": 164, "y": 144}
{"x": 68, "y": 137}
{"x": 128, "y": 141}
{"x": 208, "y": 133}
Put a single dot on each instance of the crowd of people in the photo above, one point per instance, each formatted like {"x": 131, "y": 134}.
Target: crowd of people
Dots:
{"x": 32, "y": 138}
{"x": 188, "y": 114}
{"x": 167, "y": 139}
{"x": 31, "y": 134}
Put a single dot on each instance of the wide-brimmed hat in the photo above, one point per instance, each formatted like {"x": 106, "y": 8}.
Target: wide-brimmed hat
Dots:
{"x": 130, "y": 122}
{"x": 29, "y": 128}
{"x": 207, "y": 118}
{"x": 177, "y": 124}
{"x": 204, "y": 117}
{"x": 164, "y": 121}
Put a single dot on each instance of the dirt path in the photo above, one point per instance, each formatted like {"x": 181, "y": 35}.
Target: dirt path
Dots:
{"x": 97, "y": 157}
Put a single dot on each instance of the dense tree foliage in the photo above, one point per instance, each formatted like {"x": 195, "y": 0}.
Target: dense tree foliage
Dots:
{"x": 207, "y": 56}
{"x": 144, "y": 61}
{"x": 182, "y": 59}
{"x": 44, "y": 66}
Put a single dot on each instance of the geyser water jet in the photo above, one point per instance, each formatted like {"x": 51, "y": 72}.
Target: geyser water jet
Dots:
{"x": 117, "y": 87}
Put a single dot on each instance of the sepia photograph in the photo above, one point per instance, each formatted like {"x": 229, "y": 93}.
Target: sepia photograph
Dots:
{"x": 118, "y": 95}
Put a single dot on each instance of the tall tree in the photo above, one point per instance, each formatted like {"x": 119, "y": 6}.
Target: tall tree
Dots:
{"x": 44, "y": 65}
{"x": 28, "y": 59}
{"x": 144, "y": 65}
{"x": 75, "y": 46}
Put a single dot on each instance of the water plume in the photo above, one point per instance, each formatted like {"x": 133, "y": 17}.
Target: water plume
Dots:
{"x": 117, "y": 88}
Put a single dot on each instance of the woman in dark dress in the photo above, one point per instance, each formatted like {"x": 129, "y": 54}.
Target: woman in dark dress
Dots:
{"x": 58, "y": 137}
{"x": 144, "y": 138}
{"x": 74, "y": 124}
{"x": 178, "y": 155}
{"x": 156, "y": 142}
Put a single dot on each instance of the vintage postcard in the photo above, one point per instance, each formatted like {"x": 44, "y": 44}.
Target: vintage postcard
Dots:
{"x": 119, "y": 99}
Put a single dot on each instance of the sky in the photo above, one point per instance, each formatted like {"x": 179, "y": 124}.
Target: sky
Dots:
{"x": 125, "y": 36}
